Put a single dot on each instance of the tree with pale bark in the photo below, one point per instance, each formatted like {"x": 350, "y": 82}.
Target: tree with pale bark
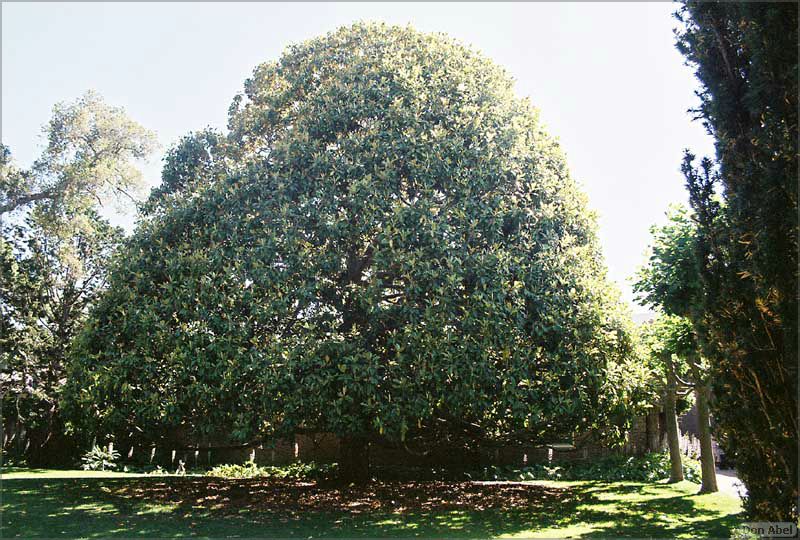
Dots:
{"x": 90, "y": 159}
{"x": 670, "y": 282}
{"x": 55, "y": 249}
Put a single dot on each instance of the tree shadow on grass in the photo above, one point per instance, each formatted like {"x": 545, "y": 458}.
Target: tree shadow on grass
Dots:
{"x": 657, "y": 516}
{"x": 165, "y": 507}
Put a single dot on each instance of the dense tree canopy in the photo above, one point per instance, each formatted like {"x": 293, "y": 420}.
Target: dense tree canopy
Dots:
{"x": 670, "y": 280}
{"x": 398, "y": 252}
{"x": 189, "y": 166}
{"x": 745, "y": 56}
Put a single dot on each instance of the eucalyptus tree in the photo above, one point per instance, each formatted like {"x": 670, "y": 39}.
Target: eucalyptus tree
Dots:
{"x": 54, "y": 248}
{"x": 396, "y": 252}
{"x": 90, "y": 157}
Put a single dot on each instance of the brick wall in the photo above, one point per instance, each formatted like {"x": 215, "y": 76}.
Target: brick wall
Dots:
{"x": 645, "y": 435}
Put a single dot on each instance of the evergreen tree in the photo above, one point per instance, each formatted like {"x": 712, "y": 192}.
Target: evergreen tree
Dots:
{"x": 397, "y": 253}
{"x": 745, "y": 57}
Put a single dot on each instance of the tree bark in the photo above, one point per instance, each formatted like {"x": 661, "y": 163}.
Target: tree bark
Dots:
{"x": 354, "y": 460}
{"x": 673, "y": 435}
{"x": 708, "y": 468}
{"x": 22, "y": 200}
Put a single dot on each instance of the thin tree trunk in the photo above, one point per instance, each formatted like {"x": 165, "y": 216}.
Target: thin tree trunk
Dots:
{"x": 709, "y": 472}
{"x": 673, "y": 436}
{"x": 354, "y": 460}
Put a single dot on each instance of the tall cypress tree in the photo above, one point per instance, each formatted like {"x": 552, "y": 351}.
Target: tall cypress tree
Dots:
{"x": 745, "y": 57}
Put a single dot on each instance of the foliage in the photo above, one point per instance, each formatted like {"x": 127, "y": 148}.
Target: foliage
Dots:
{"x": 400, "y": 254}
{"x": 294, "y": 471}
{"x": 189, "y": 166}
{"x": 100, "y": 459}
{"x": 670, "y": 280}
{"x": 745, "y": 57}
{"x": 89, "y": 157}
{"x": 670, "y": 283}
{"x": 668, "y": 335}
{"x": 47, "y": 283}
{"x": 649, "y": 468}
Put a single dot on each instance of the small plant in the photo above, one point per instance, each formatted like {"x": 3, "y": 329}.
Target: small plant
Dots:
{"x": 293, "y": 471}
{"x": 100, "y": 459}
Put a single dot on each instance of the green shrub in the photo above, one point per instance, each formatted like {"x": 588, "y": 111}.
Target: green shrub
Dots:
{"x": 648, "y": 468}
{"x": 294, "y": 471}
{"x": 100, "y": 459}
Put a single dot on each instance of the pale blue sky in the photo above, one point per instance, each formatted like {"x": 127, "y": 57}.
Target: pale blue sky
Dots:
{"x": 606, "y": 77}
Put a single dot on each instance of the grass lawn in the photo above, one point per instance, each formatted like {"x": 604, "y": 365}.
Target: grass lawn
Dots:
{"x": 79, "y": 504}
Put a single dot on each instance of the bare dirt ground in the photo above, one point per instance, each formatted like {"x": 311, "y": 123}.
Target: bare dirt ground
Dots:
{"x": 296, "y": 496}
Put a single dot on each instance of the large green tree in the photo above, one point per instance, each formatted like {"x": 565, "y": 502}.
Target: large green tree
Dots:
{"x": 745, "y": 57}
{"x": 398, "y": 253}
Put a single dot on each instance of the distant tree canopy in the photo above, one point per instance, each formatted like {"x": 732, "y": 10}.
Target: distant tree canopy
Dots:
{"x": 89, "y": 157}
{"x": 47, "y": 282}
{"x": 397, "y": 253}
{"x": 745, "y": 55}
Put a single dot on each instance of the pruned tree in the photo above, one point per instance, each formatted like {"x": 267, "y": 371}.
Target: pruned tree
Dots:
{"x": 674, "y": 358}
{"x": 670, "y": 282}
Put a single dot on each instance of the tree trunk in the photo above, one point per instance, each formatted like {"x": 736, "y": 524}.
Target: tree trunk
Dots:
{"x": 354, "y": 460}
{"x": 22, "y": 200}
{"x": 673, "y": 436}
{"x": 709, "y": 472}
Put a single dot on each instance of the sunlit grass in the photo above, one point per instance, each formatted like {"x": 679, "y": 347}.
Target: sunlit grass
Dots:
{"x": 84, "y": 505}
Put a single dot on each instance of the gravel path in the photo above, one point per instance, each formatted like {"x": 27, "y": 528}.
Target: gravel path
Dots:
{"x": 729, "y": 483}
